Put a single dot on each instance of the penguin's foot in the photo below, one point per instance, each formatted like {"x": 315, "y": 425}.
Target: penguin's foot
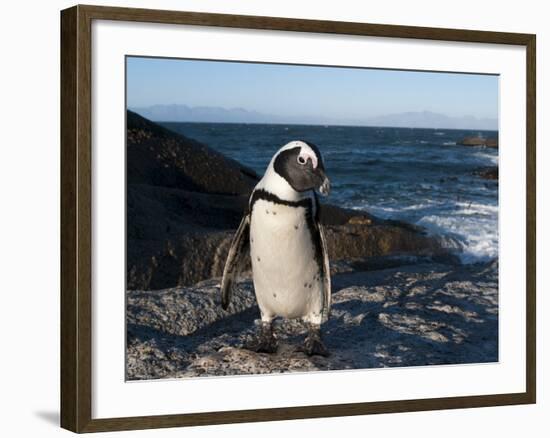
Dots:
{"x": 265, "y": 342}
{"x": 313, "y": 344}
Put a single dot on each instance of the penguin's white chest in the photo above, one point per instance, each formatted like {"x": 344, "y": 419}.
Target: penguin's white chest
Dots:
{"x": 287, "y": 278}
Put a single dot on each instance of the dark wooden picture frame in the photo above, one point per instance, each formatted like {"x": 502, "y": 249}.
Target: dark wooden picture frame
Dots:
{"x": 76, "y": 217}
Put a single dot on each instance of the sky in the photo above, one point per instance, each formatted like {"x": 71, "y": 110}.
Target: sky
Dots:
{"x": 333, "y": 92}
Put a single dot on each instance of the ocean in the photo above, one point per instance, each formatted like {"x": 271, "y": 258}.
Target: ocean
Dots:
{"x": 418, "y": 175}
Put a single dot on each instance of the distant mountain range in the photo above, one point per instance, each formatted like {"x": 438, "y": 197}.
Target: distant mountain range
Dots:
{"x": 428, "y": 119}
{"x": 423, "y": 119}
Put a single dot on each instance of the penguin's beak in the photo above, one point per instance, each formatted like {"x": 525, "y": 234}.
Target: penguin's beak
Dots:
{"x": 324, "y": 182}
{"x": 325, "y": 187}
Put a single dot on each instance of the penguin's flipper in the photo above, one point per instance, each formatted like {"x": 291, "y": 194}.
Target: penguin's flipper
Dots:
{"x": 237, "y": 259}
{"x": 327, "y": 293}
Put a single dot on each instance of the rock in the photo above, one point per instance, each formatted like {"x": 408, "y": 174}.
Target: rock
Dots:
{"x": 472, "y": 141}
{"x": 359, "y": 241}
{"x": 159, "y": 157}
{"x": 490, "y": 172}
{"x": 194, "y": 256}
{"x": 422, "y": 314}
{"x": 360, "y": 220}
{"x": 479, "y": 141}
{"x": 177, "y": 237}
{"x": 185, "y": 200}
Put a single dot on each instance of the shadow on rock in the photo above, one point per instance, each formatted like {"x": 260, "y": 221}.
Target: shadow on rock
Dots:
{"x": 428, "y": 314}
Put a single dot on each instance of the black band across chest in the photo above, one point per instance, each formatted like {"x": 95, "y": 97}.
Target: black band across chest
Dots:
{"x": 270, "y": 197}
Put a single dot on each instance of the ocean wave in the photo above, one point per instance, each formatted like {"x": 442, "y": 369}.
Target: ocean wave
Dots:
{"x": 467, "y": 227}
{"x": 468, "y": 208}
{"x": 387, "y": 212}
{"x": 491, "y": 159}
{"x": 478, "y": 237}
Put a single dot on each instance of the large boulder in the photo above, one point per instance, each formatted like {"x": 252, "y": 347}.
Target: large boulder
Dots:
{"x": 185, "y": 201}
{"x": 160, "y": 157}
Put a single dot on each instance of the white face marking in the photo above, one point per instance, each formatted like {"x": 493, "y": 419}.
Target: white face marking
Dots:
{"x": 305, "y": 154}
{"x": 276, "y": 184}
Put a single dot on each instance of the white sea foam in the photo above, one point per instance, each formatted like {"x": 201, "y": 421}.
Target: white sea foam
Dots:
{"x": 472, "y": 208}
{"x": 489, "y": 159}
{"x": 387, "y": 212}
{"x": 469, "y": 227}
{"x": 474, "y": 226}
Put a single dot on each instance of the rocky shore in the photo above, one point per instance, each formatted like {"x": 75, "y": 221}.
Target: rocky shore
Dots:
{"x": 421, "y": 314}
{"x": 400, "y": 296}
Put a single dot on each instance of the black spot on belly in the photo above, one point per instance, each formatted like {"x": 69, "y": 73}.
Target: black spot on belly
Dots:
{"x": 310, "y": 285}
{"x": 274, "y": 295}
{"x": 295, "y": 227}
{"x": 274, "y": 213}
{"x": 258, "y": 258}
{"x": 267, "y": 211}
{"x": 305, "y": 284}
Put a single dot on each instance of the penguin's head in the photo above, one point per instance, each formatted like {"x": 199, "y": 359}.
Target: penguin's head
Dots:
{"x": 301, "y": 165}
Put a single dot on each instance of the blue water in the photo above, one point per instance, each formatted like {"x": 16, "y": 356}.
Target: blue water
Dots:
{"x": 417, "y": 175}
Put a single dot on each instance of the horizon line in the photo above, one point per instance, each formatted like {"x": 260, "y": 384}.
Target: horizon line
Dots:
{"x": 334, "y": 122}
{"x": 319, "y": 124}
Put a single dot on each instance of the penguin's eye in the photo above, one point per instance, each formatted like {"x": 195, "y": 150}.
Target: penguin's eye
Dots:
{"x": 302, "y": 160}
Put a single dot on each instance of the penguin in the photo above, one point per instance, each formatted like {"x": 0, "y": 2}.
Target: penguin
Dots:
{"x": 281, "y": 235}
